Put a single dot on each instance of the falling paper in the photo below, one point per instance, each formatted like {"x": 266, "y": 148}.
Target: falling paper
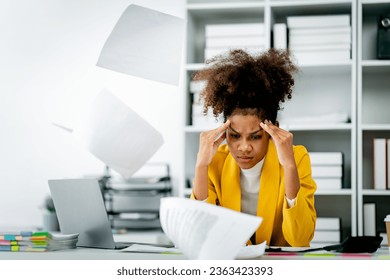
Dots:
{"x": 117, "y": 135}
{"x": 145, "y": 43}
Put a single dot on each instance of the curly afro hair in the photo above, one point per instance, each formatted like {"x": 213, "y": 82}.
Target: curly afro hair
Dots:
{"x": 245, "y": 84}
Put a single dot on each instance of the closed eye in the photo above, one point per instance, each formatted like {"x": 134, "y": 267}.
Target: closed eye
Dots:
{"x": 256, "y": 137}
{"x": 234, "y": 135}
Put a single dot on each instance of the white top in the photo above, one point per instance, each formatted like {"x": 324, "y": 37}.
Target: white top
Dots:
{"x": 250, "y": 187}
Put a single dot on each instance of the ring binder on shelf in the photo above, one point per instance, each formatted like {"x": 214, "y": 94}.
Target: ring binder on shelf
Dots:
{"x": 383, "y": 47}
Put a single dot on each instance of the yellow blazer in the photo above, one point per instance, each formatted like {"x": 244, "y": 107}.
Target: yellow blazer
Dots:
{"x": 281, "y": 226}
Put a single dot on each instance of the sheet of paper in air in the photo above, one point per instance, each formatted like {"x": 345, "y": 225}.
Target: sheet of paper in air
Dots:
{"x": 145, "y": 43}
{"x": 117, "y": 135}
{"x": 205, "y": 231}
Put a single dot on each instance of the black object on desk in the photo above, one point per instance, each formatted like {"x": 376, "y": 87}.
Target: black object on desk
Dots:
{"x": 353, "y": 244}
{"x": 383, "y": 42}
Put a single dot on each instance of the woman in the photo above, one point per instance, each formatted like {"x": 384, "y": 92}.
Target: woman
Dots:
{"x": 259, "y": 171}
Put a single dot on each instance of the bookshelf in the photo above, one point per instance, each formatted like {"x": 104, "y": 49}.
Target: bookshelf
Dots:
{"x": 373, "y": 116}
{"x": 337, "y": 85}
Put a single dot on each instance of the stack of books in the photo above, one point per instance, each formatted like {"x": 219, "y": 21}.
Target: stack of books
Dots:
{"x": 327, "y": 170}
{"x": 28, "y": 241}
{"x": 320, "y": 38}
{"x": 327, "y": 232}
{"x": 198, "y": 118}
{"x": 220, "y": 38}
{"x": 381, "y": 163}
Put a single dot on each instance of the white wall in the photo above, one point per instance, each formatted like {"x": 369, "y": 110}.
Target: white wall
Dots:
{"x": 48, "y": 52}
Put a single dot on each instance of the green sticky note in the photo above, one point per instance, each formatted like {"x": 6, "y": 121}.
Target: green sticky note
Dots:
{"x": 40, "y": 233}
{"x": 319, "y": 255}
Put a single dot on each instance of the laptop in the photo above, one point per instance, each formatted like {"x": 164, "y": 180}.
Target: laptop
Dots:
{"x": 80, "y": 209}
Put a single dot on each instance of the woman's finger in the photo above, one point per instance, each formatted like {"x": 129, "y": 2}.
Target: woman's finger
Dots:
{"x": 220, "y": 130}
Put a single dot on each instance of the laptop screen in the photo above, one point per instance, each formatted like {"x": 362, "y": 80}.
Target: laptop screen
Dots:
{"x": 80, "y": 209}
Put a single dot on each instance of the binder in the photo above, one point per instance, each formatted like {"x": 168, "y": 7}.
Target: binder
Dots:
{"x": 379, "y": 163}
{"x": 383, "y": 37}
{"x": 280, "y": 36}
{"x": 369, "y": 222}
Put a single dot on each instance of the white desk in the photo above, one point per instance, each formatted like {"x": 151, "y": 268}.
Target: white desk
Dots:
{"x": 382, "y": 253}
{"x": 87, "y": 254}
{"x": 158, "y": 237}
{"x": 104, "y": 254}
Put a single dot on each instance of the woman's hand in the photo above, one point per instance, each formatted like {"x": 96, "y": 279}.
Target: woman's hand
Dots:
{"x": 284, "y": 147}
{"x": 283, "y": 141}
{"x": 208, "y": 145}
{"x": 209, "y": 142}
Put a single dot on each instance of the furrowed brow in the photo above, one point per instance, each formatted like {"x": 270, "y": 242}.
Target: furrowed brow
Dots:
{"x": 254, "y": 132}
{"x": 257, "y": 131}
{"x": 230, "y": 126}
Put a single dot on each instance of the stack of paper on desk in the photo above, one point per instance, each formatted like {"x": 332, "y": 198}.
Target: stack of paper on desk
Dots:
{"x": 204, "y": 231}
{"x": 37, "y": 241}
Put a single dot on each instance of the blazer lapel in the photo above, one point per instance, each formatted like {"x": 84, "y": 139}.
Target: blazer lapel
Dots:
{"x": 230, "y": 184}
{"x": 269, "y": 193}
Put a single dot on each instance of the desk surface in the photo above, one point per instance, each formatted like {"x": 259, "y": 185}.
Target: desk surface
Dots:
{"x": 381, "y": 253}
{"x": 104, "y": 254}
{"x": 87, "y": 254}
{"x": 158, "y": 237}
{"x": 151, "y": 237}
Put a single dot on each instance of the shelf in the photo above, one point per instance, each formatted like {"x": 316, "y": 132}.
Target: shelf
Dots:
{"x": 300, "y": 3}
{"x": 197, "y": 129}
{"x": 221, "y": 6}
{"x": 328, "y": 64}
{"x": 375, "y": 63}
{"x": 191, "y": 2}
{"x": 334, "y": 192}
{"x": 293, "y": 127}
{"x": 370, "y": 192}
{"x": 374, "y": 2}
{"x": 317, "y": 127}
{"x": 216, "y": 11}
{"x": 373, "y": 99}
{"x": 357, "y": 88}
{"x": 322, "y": 66}
{"x": 375, "y": 127}
{"x": 280, "y": 10}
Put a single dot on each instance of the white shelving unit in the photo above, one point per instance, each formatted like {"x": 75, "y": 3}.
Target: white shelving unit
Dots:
{"x": 321, "y": 87}
{"x": 373, "y": 114}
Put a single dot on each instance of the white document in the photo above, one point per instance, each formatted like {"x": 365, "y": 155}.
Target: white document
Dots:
{"x": 142, "y": 248}
{"x": 205, "y": 231}
{"x": 117, "y": 135}
{"x": 145, "y": 43}
{"x": 245, "y": 252}
{"x": 253, "y": 251}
